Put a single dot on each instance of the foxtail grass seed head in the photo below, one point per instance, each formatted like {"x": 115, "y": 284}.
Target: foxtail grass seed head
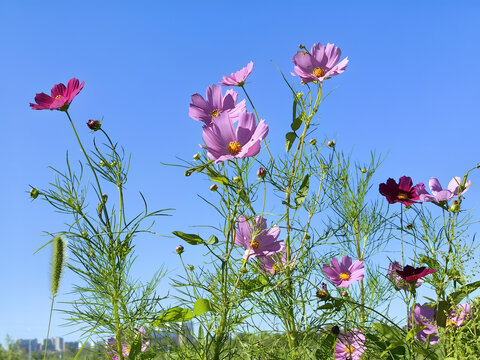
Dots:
{"x": 94, "y": 124}
{"x": 331, "y": 144}
{"x": 59, "y": 256}
{"x": 213, "y": 187}
{"x": 34, "y": 193}
{"x": 261, "y": 173}
{"x": 196, "y": 157}
{"x": 179, "y": 249}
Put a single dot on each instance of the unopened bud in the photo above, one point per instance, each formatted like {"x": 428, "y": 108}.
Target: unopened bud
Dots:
{"x": 94, "y": 124}
{"x": 179, "y": 249}
{"x": 331, "y": 144}
{"x": 196, "y": 156}
{"x": 191, "y": 267}
{"x": 213, "y": 187}
{"x": 455, "y": 206}
{"x": 84, "y": 234}
{"x": 323, "y": 293}
{"x": 313, "y": 142}
{"x": 335, "y": 330}
{"x": 104, "y": 198}
{"x": 236, "y": 179}
{"x": 261, "y": 173}
{"x": 34, "y": 193}
{"x": 345, "y": 293}
{"x": 102, "y": 163}
{"x": 363, "y": 170}
{"x": 243, "y": 269}
{"x": 410, "y": 226}
{"x": 299, "y": 95}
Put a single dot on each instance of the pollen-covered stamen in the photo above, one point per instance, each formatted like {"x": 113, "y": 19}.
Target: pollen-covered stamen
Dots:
{"x": 318, "y": 72}
{"x": 344, "y": 276}
{"x": 276, "y": 268}
{"x": 349, "y": 349}
{"x": 254, "y": 244}
{"x": 58, "y": 97}
{"x": 402, "y": 196}
{"x": 234, "y": 147}
{"x": 215, "y": 113}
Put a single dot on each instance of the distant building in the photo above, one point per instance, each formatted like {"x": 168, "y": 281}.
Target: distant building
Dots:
{"x": 72, "y": 345}
{"x": 28, "y": 344}
{"x": 54, "y": 344}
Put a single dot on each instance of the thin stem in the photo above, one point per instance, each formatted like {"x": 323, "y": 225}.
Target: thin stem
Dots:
{"x": 48, "y": 331}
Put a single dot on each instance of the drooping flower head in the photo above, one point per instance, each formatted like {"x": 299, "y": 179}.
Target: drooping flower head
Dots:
{"x": 273, "y": 264}
{"x": 403, "y": 192}
{"x": 223, "y": 142}
{"x": 398, "y": 282}
{"x": 350, "y": 345}
{"x": 344, "y": 273}
{"x": 215, "y": 103}
{"x": 60, "y": 96}
{"x": 238, "y": 78}
{"x": 319, "y": 64}
{"x": 424, "y": 316}
{"x": 454, "y": 189}
{"x": 253, "y": 235}
{"x": 411, "y": 274}
{"x": 460, "y": 315}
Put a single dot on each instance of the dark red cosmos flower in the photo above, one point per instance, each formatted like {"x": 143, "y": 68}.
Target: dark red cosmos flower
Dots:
{"x": 403, "y": 192}
{"x": 411, "y": 274}
{"x": 61, "y": 96}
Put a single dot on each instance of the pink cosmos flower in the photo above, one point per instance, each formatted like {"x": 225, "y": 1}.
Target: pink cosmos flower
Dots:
{"x": 321, "y": 63}
{"x": 224, "y": 143}
{"x": 440, "y": 194}
{"x": 403, "y": 192}
{"x": 60, "y": 98}
{"x": 424, "y": 315}
{"x": 273, "y": 264}
{"x": 461, "y": 314}
{"x": 350, "y": 345}
{"x": 411, "y": 274}
{"x": 253, "y": 235}
{"x": 238, "y": 78}
{"x": 345, "y": 273}
{"x": 215, "y": 104}
{"x": 398, "y": 282}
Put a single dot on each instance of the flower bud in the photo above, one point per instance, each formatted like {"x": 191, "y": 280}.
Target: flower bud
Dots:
{"x": 323, "y": 294}
{"x": 213, "y": 187}
{"x": 34, "y": 193}
{"x": 102, "y": 163}
{"x": 196, "y": 156}
{"x": 84, "y": 234}
{"x": 313, "y": 142}
{"x": 335, "y": 330}
{"x": 261, "y": 173}
{"x": 237, "y": 179}
{"x": 331, "y": 144}
{"x": 179, "y": 249}
{"x": 345, "y": 293}
{"x": 94, "y": 124}
{"x": 363, "y": 170}
{"x": 243, "y": 269}
{"x": 191, "y": 267}
{"x": 455, "y": 206}
{"x": 299, "y": 95}
{"x": 410, "y": 226}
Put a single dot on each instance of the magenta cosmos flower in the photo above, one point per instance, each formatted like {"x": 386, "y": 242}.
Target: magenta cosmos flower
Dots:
{"x": 215, "y": 104}
{"x": 253, "y": 235}
{"x": 350, "y": 345}
{"x": 440, "y": 194}
{"x": 403, "y": 192}
{"x": 398, "y": 282}
{"x": 224, "y": 143}
{"x": 345, "y": 273}
{"x": 321, "y": 63}
{"x": 273, "y": 264}
{"x": 61, "y": 96}
{"x": 424, "y": 315}
{"x": 461, "y": 314}
{"x": 238, "y": 78}
{"x": 411, "y": 274}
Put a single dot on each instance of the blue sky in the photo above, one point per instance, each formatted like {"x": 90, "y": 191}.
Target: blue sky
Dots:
{"x": 410, "y": 90}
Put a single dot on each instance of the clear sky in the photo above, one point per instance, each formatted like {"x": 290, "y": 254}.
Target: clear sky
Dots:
{"x": 411, "y": 90}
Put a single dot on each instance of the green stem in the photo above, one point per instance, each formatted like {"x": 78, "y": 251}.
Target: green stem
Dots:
{"x": 48, "y": 331}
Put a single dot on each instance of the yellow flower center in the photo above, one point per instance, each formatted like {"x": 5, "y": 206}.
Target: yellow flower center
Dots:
{"x": 344, "y": 276}
{"x": 318, "y": 72}
{"x": 349, "y": 349}
{"x": 215, "y": 113}
{"x": 254, "y": 244}
{"x": 58, "y": 97}
{"x": 234, "y": 147}
{"x": 402, "y": 196}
